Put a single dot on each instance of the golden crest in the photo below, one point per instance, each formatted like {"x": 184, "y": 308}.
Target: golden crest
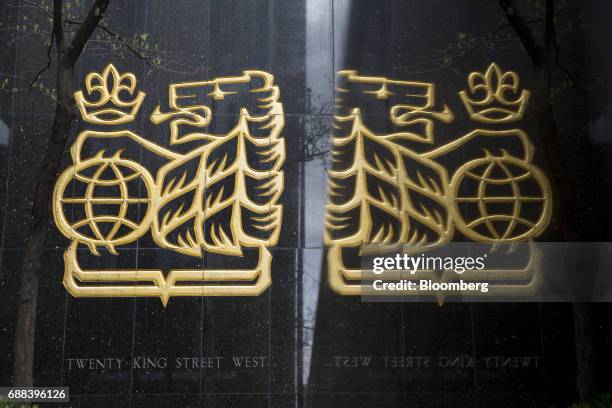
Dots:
{"x": 120, "y": 111}
{"x": 497, "y": 87}
{"x": 213, "y": 198}
{"x": 400, "y": 188}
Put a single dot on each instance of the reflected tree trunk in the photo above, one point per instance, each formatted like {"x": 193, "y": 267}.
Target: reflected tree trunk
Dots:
{"x": 540, "y": 55}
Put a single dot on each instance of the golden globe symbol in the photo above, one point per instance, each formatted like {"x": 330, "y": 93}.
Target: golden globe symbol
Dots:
{"x": 394, "y": 194}
{"x": 89, "y": 230}
{"x": 107, "y": 182}
{"x": 508, "y": 173}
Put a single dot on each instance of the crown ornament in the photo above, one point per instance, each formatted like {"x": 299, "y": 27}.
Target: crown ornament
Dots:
{"x": 109, "y": 108}
{"x": 499, "y": 88}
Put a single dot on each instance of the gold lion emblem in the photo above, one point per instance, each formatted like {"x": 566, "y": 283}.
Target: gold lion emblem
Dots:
{"x": 396, "y": 184}
{"x": 213, "y": 192}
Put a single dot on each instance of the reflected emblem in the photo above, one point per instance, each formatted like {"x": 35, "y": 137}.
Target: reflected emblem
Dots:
{"x": 212, "y": 187}
{"x": 394, "y": 183}
{"x": 506, "y": 174}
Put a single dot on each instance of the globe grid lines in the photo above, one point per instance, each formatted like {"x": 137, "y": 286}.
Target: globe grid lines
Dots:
{"x": 516, "y": 199}
{"x": 89, "y": 200}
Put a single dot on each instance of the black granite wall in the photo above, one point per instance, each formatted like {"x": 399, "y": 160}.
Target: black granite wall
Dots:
{"x": 319, "y": 349}
{"x": 197, "y": 40}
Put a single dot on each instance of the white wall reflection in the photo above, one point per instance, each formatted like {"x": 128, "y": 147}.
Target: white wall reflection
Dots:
{"x": 326, "y": 26}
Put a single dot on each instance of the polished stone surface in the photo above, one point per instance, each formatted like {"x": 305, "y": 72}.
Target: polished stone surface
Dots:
{"x": 299, "y": 344}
